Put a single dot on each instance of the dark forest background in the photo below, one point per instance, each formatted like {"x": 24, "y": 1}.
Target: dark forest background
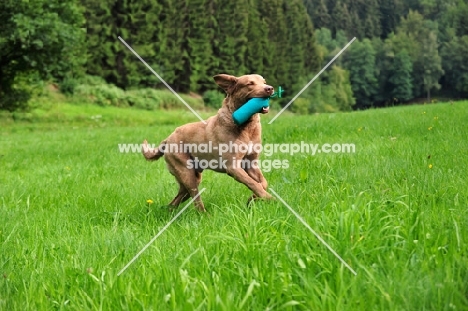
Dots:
{"x": 406, "y": 51}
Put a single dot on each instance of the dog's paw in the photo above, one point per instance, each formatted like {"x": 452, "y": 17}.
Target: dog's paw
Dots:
{"x": 253, "y": 198}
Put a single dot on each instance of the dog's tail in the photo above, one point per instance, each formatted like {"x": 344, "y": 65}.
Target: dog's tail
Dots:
{"x": 152, "y": 154}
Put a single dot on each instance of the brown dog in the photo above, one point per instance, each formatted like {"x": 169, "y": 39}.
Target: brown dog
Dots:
{"x": 218, "y": 130}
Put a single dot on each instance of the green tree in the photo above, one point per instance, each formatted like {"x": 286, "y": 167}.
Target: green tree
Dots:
{"x": 435, "y": 9}
{"x": 299, "y": 51}
{"x": 383, "y": 65}
{"x": 171, "y": 44}
{"x": 312, "y": 100}
{"x": 330, "y": 93}
{"x": 187, "y": 42}
{"x": 400, "y": 78}
{"x": 461, "y": 20}
{"x": 300, "y": 41}
{"x": 324, "y": 38}
{"x": 390, "y": 14}
{"x": 318, "y": 12}
{"x": 419, "y": 38}
{"x": 141, "y": 24}
{"x": 329, "y": 46}
{"x": 37, "y": 38}
{"x": 358, "y": 28}
{"x": 455, "y": 63}
{"x": 199, "y": 46}
{"x": 277, "y": 63}
{"x": 339, "y": 85}
{"x": 432, "y": 64}
{"x": 342, "y": 19}
{"x": 230, "y": 37}
{"x": 372, "y": 26}
{"x": 360, "y": 61}
{"x": 257, "y": 42}
{"x": 137, "y": 24}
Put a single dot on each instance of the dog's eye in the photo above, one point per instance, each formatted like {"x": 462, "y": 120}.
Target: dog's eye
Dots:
{"x": 250, "y": 83}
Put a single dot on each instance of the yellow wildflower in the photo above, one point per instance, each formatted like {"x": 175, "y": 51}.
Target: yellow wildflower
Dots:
{"x": 430, "y": 165}
{"x": 149, "y": 201}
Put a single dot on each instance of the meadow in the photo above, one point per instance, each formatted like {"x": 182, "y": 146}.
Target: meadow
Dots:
{"x": 74, "y": 211}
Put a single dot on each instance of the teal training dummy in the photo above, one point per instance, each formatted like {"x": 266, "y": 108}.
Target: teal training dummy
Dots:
{"x": 253, "y": 106}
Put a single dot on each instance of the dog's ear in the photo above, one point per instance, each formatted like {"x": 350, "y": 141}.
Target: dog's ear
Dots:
{"x": 226, "y": 82}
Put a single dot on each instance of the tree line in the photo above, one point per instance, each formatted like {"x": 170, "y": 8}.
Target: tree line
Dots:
{"x": 405, "y": 49}
{"x": 187, "y": 42}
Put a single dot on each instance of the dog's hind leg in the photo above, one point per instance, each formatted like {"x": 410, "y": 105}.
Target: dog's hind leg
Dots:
{"x": 188, "y": 179}
{"x": 189, "y": 188}
{"x": 191, "y": 180}
{"x": 181, "y": 196}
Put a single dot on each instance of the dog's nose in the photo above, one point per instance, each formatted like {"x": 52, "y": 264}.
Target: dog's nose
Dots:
{"x": 269, "y": 89}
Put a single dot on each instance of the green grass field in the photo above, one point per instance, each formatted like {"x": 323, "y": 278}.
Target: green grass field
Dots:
{"x": 74, "y": 212}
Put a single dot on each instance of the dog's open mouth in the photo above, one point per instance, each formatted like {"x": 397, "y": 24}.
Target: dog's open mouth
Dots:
{"x": 267, "y": 108}
{"x": 252, "y": 106}
{"x": 264, "y": 109}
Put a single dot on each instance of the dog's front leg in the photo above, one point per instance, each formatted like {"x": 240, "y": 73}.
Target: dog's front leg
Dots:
{"x": 254, "y": 170}
{"x": 241, "y": 176}
{"x": 257, "y": 175}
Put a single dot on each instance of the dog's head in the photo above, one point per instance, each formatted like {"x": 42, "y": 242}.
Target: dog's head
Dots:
{"x": 240, "y": 89}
